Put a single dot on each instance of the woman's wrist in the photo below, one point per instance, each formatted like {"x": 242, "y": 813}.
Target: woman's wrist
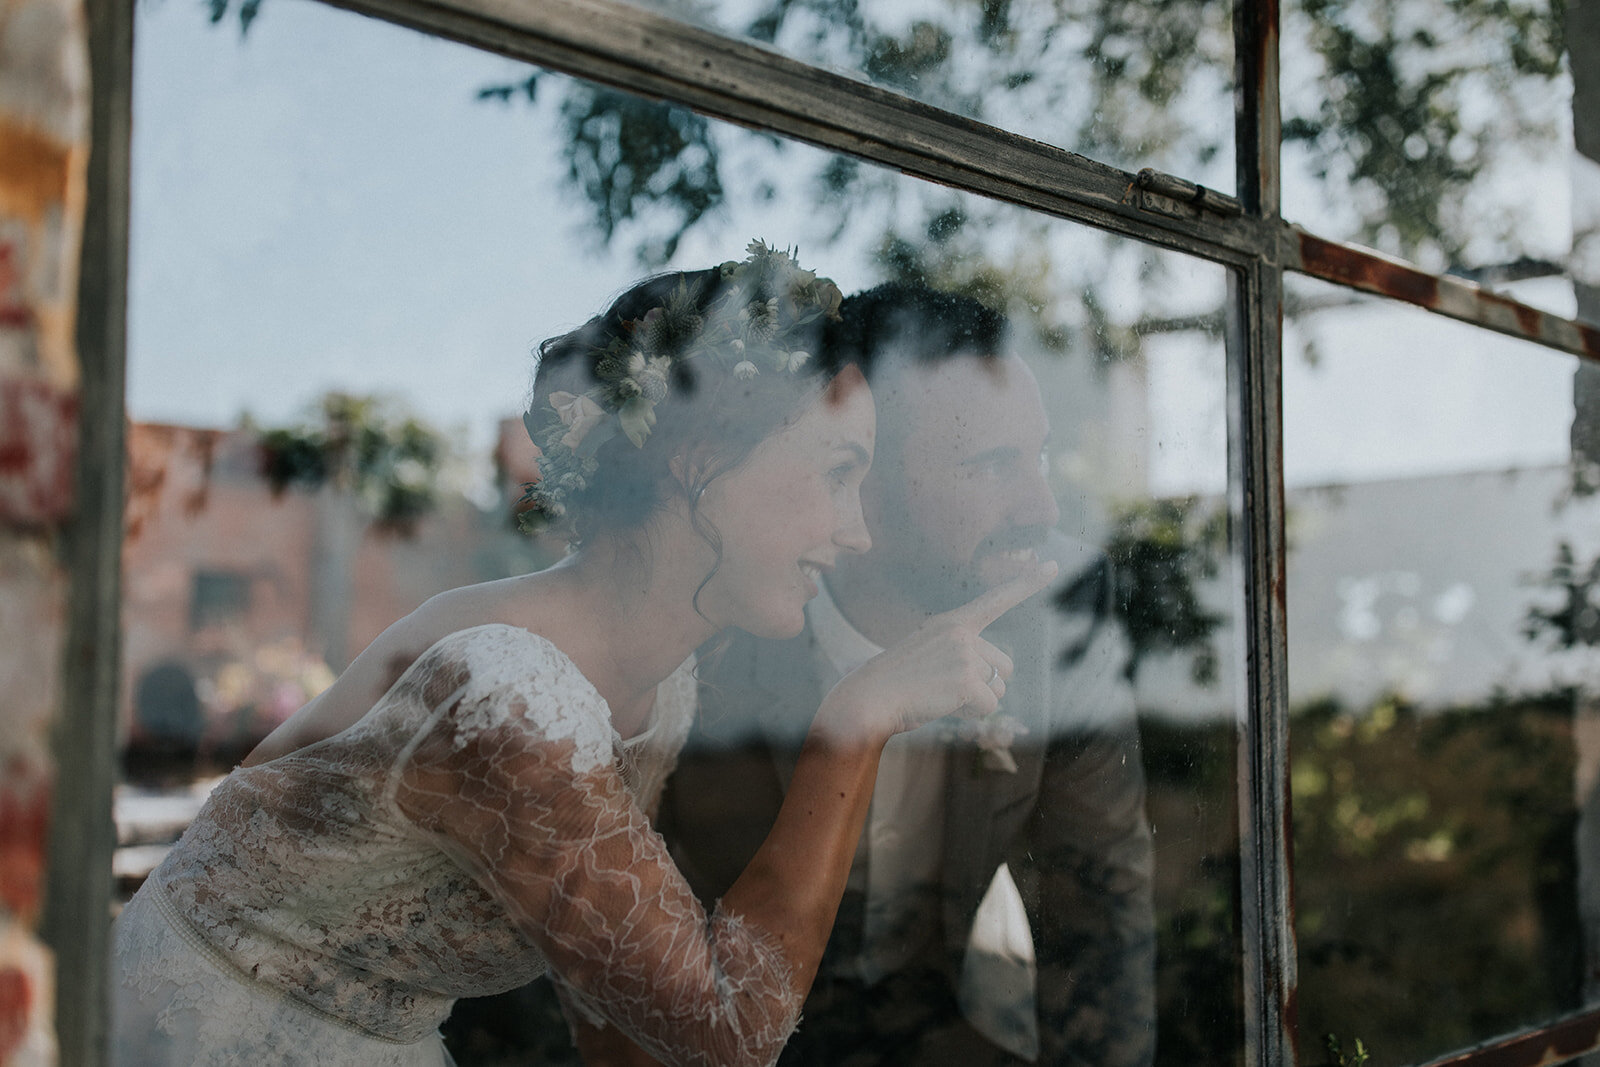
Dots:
{"x": 844, "y": 721}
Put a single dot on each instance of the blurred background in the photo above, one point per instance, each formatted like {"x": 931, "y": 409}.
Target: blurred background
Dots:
{"x": 348, "y": 239}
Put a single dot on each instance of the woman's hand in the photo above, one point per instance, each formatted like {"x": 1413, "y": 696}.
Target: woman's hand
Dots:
{"x": 944, "y": 668}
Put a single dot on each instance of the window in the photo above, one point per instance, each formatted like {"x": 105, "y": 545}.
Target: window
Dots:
{"x": 1349, "y": 457}
{"x": 218, "y": 597}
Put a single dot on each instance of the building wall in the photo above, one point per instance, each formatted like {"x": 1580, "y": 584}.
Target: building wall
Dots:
{"x": 198, "y": 507}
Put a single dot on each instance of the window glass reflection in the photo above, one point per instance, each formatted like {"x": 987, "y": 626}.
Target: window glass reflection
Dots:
{"x": 1439, "y": 553}
{"x": 1444, "y": 133}
{"x": 1132, "y": 85}
{"x": 346, "y": 244}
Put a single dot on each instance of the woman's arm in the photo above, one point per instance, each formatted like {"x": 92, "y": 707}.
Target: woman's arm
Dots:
{"x": 608, "y": 1047}
{"x": 518, "y": 783}
{"x": 793, "y": 884}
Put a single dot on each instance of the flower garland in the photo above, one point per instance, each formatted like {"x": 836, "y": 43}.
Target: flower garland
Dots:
{"x": 767, "y": 307}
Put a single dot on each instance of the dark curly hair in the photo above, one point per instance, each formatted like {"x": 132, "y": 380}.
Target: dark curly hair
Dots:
{"x": 710, "y": 418}
{"x": 894, "y": 327}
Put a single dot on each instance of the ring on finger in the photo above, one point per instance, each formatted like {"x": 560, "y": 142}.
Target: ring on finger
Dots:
{"x": 994, "y": 672}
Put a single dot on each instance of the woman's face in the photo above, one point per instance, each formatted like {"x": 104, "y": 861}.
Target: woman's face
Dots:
{"x": 788, "y": 511}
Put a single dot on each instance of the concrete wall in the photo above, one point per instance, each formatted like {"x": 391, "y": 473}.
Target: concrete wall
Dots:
{"x": 44, "y": 109}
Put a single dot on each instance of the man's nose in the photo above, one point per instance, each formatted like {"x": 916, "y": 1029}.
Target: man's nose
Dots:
{"x": 1035, "y": 504}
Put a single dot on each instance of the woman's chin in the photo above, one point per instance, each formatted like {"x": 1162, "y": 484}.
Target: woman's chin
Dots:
{"x": 775, "y": 625}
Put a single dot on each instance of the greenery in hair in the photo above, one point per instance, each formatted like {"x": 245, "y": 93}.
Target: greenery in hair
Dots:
{"x": 766, "y": 309}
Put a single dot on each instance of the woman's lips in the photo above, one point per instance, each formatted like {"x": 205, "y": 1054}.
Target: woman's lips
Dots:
{"x": 812, "y": 573}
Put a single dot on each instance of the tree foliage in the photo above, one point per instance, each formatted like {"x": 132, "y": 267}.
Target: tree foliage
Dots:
{"x": 1401, "y": 110}
{"x": 1161, "y": 552}
{"x": 388, "y": 459}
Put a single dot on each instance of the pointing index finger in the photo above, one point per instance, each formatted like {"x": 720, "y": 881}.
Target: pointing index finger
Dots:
{"x": 986, "y": 607}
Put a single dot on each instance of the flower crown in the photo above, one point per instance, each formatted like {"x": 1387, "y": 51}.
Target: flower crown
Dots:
{"x": 766, "y": 310}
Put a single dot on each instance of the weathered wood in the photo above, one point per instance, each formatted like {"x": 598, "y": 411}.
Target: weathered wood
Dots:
{"x": 748, "y": 83}
{"x": 78, "y": 904}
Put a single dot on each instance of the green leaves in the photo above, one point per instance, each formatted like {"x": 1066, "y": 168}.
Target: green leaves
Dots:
{"x": 364, "y": 445}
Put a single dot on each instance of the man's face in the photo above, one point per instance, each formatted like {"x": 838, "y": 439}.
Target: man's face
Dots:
{"x": 964, "y": 503}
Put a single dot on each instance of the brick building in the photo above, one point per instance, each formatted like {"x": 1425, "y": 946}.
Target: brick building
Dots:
{"x": 240, "y": 604}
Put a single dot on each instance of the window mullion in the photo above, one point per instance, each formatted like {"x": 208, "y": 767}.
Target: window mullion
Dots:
{"x": 1255, "y": 346}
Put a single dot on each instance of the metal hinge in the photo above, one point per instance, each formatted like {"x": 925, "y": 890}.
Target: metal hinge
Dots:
{"x": 1179, "y": 198}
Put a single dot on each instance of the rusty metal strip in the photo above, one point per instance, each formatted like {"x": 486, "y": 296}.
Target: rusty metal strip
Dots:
{"x": 749, "y": 83}
{"x": 1456, "y": 298}
{"x": 1559, "y": 1042}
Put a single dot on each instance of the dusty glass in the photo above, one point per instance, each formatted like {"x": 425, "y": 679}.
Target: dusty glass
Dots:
{"x": 347, "y": 243}
{"x": 1132, "y": 85}
{"x": 1441, "y": 669}
{"x": 1444, "y": 133}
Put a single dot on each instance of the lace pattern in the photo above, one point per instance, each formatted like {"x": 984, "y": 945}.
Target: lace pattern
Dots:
{"x": 482, "y": 823}
{"x": 588, "y": 878}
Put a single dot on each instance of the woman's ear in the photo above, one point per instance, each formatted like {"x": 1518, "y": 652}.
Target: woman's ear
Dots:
{"x": 688, "y": 471}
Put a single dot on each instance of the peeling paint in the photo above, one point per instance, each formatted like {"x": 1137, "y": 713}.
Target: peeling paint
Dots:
{"x": 1455, "y": 297}
{"x": 38, "y": 447}
{"x": 27, "y": 983}
{"x": 39, "y": 172}
{"x": 15, "y": 313}
{"x": 24, "y": 823}
{"x": 1340, "y": 263}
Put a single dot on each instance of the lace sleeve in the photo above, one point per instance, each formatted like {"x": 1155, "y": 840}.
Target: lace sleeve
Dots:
{"x": 513, "y": 772}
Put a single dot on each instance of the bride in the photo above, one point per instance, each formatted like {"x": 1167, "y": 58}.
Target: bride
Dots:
{"x": 468, "y": 806}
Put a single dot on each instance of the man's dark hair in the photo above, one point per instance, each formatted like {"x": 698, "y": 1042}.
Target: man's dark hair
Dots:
{"x": 900, "y": 318}
{"x": 891, "y": 329}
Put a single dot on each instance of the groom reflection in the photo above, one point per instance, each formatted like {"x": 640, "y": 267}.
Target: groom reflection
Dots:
{"x": 999, "y": 908}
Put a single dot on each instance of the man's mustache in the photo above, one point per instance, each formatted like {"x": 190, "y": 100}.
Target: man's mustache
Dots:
{"x": 1012, "y": 538}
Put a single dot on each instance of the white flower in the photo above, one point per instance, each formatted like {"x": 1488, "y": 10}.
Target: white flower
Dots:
{"x": 796, "y": 360}
{"x": 652, "y": 378}
{"x": 744, "y": 370}
{"x": 578, "y": 414}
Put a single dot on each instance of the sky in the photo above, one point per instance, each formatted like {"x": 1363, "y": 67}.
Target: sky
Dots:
{"x": 324, "y": 204}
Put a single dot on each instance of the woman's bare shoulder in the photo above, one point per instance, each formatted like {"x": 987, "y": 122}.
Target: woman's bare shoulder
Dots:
{"x": 372, "y": 673}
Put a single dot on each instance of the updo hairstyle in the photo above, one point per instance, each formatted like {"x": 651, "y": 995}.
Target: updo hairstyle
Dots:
{"x": 709, "y": 415}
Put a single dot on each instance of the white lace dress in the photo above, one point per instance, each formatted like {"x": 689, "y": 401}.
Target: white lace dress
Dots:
{"x": 483, "y": 824}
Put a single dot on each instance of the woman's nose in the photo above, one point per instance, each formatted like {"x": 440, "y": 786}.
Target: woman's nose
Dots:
{"x": 852, "y": 535}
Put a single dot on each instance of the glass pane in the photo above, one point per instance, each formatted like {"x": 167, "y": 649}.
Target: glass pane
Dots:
{"x": 1443, "y": 132}
{"x": 1440, "y": 666}
{"x": 1132, "y": 85}
{"x": 344, "y": 250}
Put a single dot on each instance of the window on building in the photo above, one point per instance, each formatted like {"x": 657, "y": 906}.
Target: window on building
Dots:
{"x": 218, "y": 597}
